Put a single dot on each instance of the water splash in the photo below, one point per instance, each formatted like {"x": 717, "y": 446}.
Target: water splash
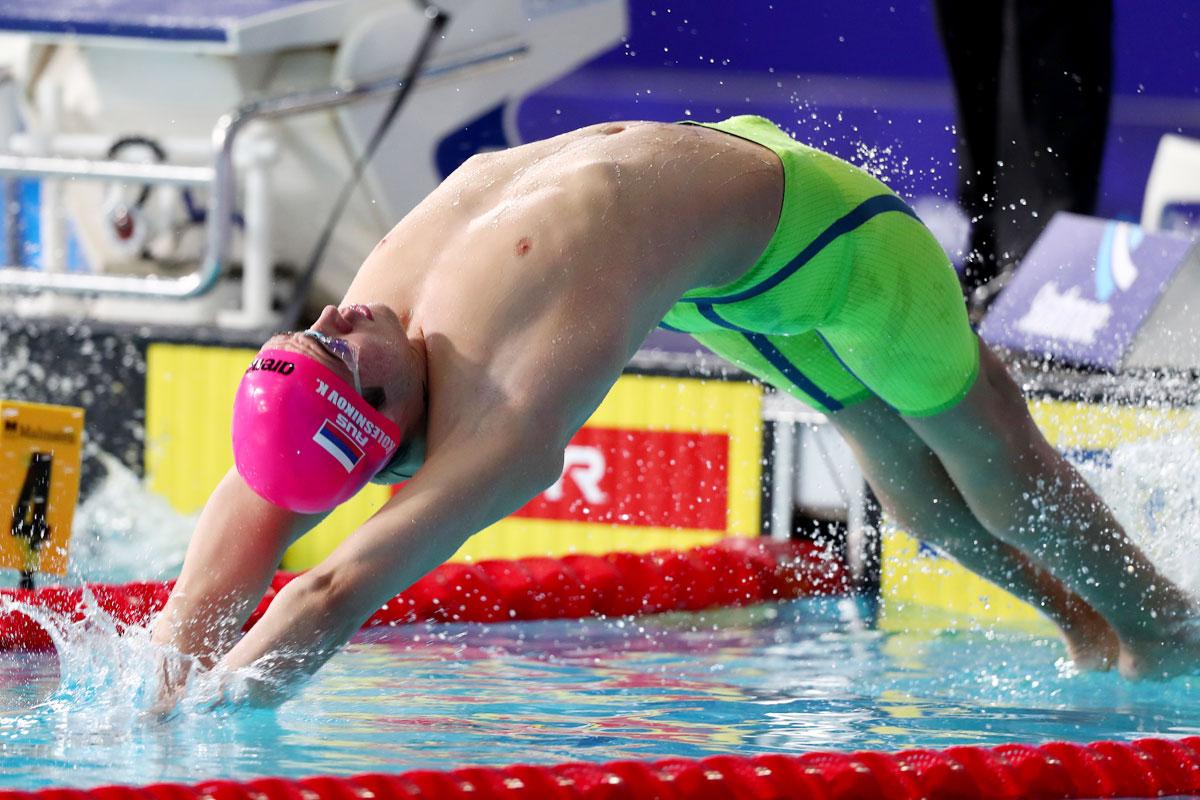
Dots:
{"x": 110, "y": 674}
{"x": 88, "y": 707}
{"x": 102, "y": 682}
{"x": 125, "y": 532}
{"x": 1147, "y": 484}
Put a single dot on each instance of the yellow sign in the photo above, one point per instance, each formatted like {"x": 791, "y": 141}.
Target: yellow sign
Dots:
{"x": 39, "y": 483}
{"x": 677, "y": 463}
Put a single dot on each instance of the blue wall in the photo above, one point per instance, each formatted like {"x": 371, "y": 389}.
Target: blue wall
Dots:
{"x": 865, "y": 79}
{"x": 870, "y": 38}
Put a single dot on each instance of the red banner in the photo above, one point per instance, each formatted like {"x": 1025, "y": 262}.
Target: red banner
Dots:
{"x": 630, "y": 476}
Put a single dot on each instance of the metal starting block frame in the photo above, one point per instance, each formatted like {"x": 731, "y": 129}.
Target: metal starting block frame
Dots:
{"x": 504, "y": 47}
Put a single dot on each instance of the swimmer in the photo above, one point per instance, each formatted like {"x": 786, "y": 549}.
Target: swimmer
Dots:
{"x": 485, "y": 328}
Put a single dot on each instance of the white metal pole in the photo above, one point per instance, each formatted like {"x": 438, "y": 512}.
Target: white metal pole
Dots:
{"x": 783, "y": 478}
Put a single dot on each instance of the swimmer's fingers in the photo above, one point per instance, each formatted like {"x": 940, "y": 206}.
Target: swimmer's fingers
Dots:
{"x": 221, "y": 689}
{"x": 165, "y": 705}
{"x": 162, "y": 711}
{"x": 172, "y": 672}
{"x": 210, "y": 691}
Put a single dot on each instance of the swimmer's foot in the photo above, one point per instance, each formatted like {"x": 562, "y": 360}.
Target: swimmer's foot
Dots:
{"x": 1176, "y": 651}
{"x": 1092, "y": 643}
{"x": 1171, "y": 649}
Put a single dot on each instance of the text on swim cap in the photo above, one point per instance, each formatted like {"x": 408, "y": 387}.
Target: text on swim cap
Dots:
{"x": 353, "y": 421}
{"x": 272, "y": 365}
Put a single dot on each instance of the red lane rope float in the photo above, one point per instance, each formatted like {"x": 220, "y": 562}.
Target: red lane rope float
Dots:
{"x": 733, "y": 572}
{"x": 1139, "y": 769}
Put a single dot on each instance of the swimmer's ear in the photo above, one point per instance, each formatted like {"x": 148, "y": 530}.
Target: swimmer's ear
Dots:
{"x": 375, "y": 396}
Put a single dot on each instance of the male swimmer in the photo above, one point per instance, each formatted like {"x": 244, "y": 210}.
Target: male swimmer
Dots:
{"x": 486, "y": 327}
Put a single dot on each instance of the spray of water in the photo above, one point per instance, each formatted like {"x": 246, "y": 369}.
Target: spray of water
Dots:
{"x": 111, "y": 675}
{"x": 125, "y": 532}
{"x": 1147, "y": 484}
{"x": 109, "y": 672}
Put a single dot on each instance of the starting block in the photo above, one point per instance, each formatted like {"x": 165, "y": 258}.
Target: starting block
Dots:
{"x": 1103, "y": 294}
{"x": 40, "y": 452}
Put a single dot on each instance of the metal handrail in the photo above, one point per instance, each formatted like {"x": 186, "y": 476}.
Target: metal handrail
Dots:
{"x": 48, "y": 166}
{"x": 221, "y": 176}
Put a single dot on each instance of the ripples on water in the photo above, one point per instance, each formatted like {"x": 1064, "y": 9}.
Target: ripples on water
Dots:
{"x": 800, "y": 676}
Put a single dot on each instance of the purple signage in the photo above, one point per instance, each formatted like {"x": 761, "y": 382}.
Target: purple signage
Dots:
{"x": 1084, "y": 290}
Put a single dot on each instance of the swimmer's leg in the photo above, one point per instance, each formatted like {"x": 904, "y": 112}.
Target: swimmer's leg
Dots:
{"x": 1028, "y": 495}
{"x": 908, "y": 477}
{"x": 914, "y": 488}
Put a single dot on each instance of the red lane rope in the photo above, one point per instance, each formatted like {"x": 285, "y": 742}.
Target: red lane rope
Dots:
{"x": 1141, "y": 769}
{"x": 734, "y": 572}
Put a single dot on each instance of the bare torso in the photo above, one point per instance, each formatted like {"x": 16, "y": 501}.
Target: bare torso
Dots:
{"x": 534, "y": 273}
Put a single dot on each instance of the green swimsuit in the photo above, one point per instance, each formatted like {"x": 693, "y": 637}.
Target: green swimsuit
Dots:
{"x": 852, "y": 297}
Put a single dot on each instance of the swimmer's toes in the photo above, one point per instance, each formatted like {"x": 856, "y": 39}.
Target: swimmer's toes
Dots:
{"x": 1091, "y": 643}
{"x": 1159, "y": 661}
{"x": 1096, "y": 655}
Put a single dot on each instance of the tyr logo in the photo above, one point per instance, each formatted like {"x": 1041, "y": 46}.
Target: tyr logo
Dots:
{"x": 585, "y": 467}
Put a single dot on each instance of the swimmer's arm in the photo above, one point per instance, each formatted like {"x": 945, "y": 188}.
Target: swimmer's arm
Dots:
{"x": 466, "y": 484}
{"x": 233, "y": 554}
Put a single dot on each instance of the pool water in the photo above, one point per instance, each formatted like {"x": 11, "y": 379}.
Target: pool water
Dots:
{"x": 805, "y": 675}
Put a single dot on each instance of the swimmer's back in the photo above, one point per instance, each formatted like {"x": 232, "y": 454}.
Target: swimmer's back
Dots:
{"x": 631, "y": 214}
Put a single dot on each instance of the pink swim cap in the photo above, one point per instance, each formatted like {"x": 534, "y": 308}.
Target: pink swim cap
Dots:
{"x": 303, "y": 439}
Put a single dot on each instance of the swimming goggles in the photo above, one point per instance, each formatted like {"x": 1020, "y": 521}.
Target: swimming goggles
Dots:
{"x": 339, "y": 349}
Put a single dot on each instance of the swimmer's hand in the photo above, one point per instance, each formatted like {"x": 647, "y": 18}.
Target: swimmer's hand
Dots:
{"x": 172, "y": 673}
{"x": 163, "y": 709}
{"x": 208, "y": 690}
{"x": 221, "y": 688}
{"x": 215, "y": 689}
